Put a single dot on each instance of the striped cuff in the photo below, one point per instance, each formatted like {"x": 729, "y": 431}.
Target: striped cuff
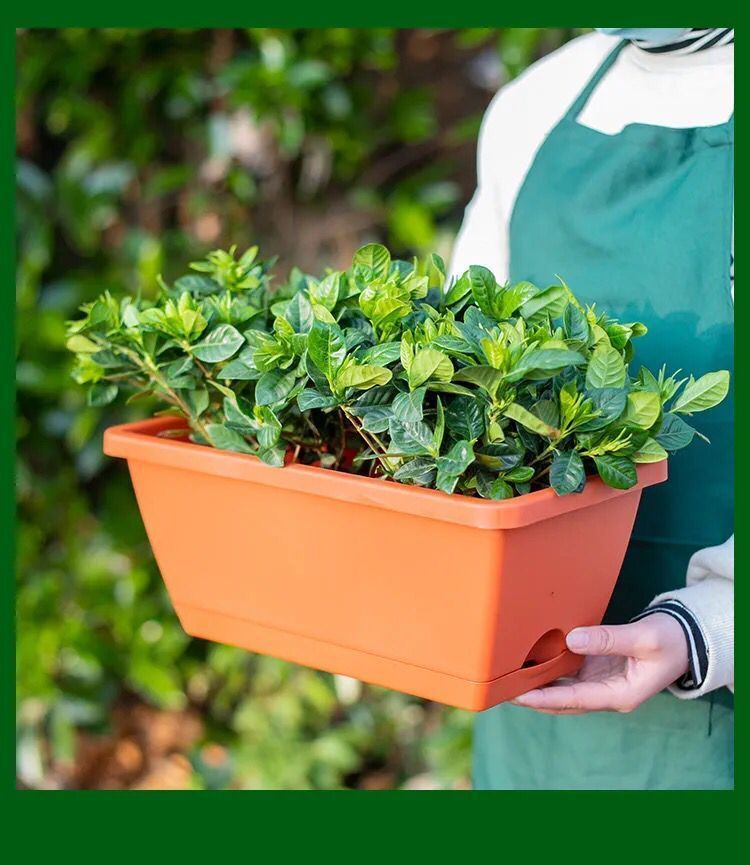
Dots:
{"x": 697, "y": 649}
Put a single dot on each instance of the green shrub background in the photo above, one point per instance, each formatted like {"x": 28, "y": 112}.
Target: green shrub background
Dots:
{"x": 138, "y": 151}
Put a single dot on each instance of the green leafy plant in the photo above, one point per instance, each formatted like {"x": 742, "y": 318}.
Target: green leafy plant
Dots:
{"x": 474, "y": 387}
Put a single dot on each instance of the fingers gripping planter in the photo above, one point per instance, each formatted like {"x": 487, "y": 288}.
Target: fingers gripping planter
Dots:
{"x": 455, "y": 599}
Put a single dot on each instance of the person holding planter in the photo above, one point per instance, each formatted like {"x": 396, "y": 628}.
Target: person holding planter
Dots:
{"x": 611, "y": 161}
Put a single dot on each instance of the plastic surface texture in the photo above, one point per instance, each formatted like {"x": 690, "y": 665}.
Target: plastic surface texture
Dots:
{"x": 458, "y": 600}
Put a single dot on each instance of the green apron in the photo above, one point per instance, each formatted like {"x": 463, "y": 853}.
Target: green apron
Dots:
{"x": 639, "y": 222}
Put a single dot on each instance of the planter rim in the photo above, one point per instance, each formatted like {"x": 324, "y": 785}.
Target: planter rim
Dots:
{"x": 139, "y": 441}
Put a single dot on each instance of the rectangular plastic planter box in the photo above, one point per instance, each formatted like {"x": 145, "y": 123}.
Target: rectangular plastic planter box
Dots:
{"x": 455, "y": 599}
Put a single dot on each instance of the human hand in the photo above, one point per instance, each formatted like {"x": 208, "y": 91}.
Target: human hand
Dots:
{"x": 625, "y": 665}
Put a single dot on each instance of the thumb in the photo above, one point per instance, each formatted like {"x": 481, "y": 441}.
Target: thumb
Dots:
{"x": 603, "y": 640}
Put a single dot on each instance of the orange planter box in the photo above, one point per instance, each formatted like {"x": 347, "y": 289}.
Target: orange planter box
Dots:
{"x": 455, "y": 599}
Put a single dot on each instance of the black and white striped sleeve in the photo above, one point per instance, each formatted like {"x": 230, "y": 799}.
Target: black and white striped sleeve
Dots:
{"x": 697, "y": 648}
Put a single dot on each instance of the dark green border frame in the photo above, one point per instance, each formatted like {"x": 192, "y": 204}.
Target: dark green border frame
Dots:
{"x": 97, "y": 826}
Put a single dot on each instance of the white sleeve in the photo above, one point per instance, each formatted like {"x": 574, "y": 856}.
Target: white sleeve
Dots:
{"x": 483, "y": 238}
{"x": 708, "y": 599}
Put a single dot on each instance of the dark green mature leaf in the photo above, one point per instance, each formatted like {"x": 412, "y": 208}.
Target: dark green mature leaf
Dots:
{"x": 220, "y": 344}
{"x": 227, "y": 439}
{"x": 464, "y": 418}
{"x": 408, "y": 407}
{"x": 575, "y": 323}
{"x": 420, "y": 470}
{"x": 382, "y": 354}
{"x": 309, "y": 399}
{"x": 490, "y": 487}
{"x": 675, "y": 433}
{"x": 610, "y": 402}
{"x": 411, "y": 438}
{"x": 617, "y": 472}
{"x": 500, "y": 457}
{"x": 457, "y": 460}
{"x": 567, "y": 474}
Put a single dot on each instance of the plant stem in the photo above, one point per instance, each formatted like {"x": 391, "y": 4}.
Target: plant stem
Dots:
{"x": 382, "y": 458}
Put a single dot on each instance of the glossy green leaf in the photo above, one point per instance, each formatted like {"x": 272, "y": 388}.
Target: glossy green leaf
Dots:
{"x": 606, "y": 368}
{"x": 616, "y": 471}
{"x": 227, "y": 439}
{"x": 643, "y": 409}
{"x": 220, "y": 344}
{"x": 703, "y": 393}
{"x": 326, "y": 346}
{"x": 567, "y": 474}
{"x": 274, "y": 386}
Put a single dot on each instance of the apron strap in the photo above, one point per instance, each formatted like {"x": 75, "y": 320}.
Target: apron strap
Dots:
{"x": 583, "y": 97}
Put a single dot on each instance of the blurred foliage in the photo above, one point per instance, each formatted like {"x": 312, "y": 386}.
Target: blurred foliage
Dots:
{"x": 137, "y": 151}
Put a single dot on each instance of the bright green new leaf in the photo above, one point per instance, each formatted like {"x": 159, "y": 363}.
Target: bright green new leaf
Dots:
{"x": 703, "y": 393}
{"x": 606, "y": 368}
{"x": 530, "y": 421}
{"x": 429, "y": 364}
{"x": 373, "y": 256}
{"x": 642, "y": 409}
{"x": 361, "y": 376}
{"x": 650, "y": 452}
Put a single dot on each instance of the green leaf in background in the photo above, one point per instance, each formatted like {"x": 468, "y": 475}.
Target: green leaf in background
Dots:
{"x": 220, "y": 344}
{"x": 702, "y": 394}
{"x": 102, "y": 394}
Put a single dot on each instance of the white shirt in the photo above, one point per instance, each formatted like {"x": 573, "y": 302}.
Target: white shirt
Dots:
{"x": 658, "y": 89}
